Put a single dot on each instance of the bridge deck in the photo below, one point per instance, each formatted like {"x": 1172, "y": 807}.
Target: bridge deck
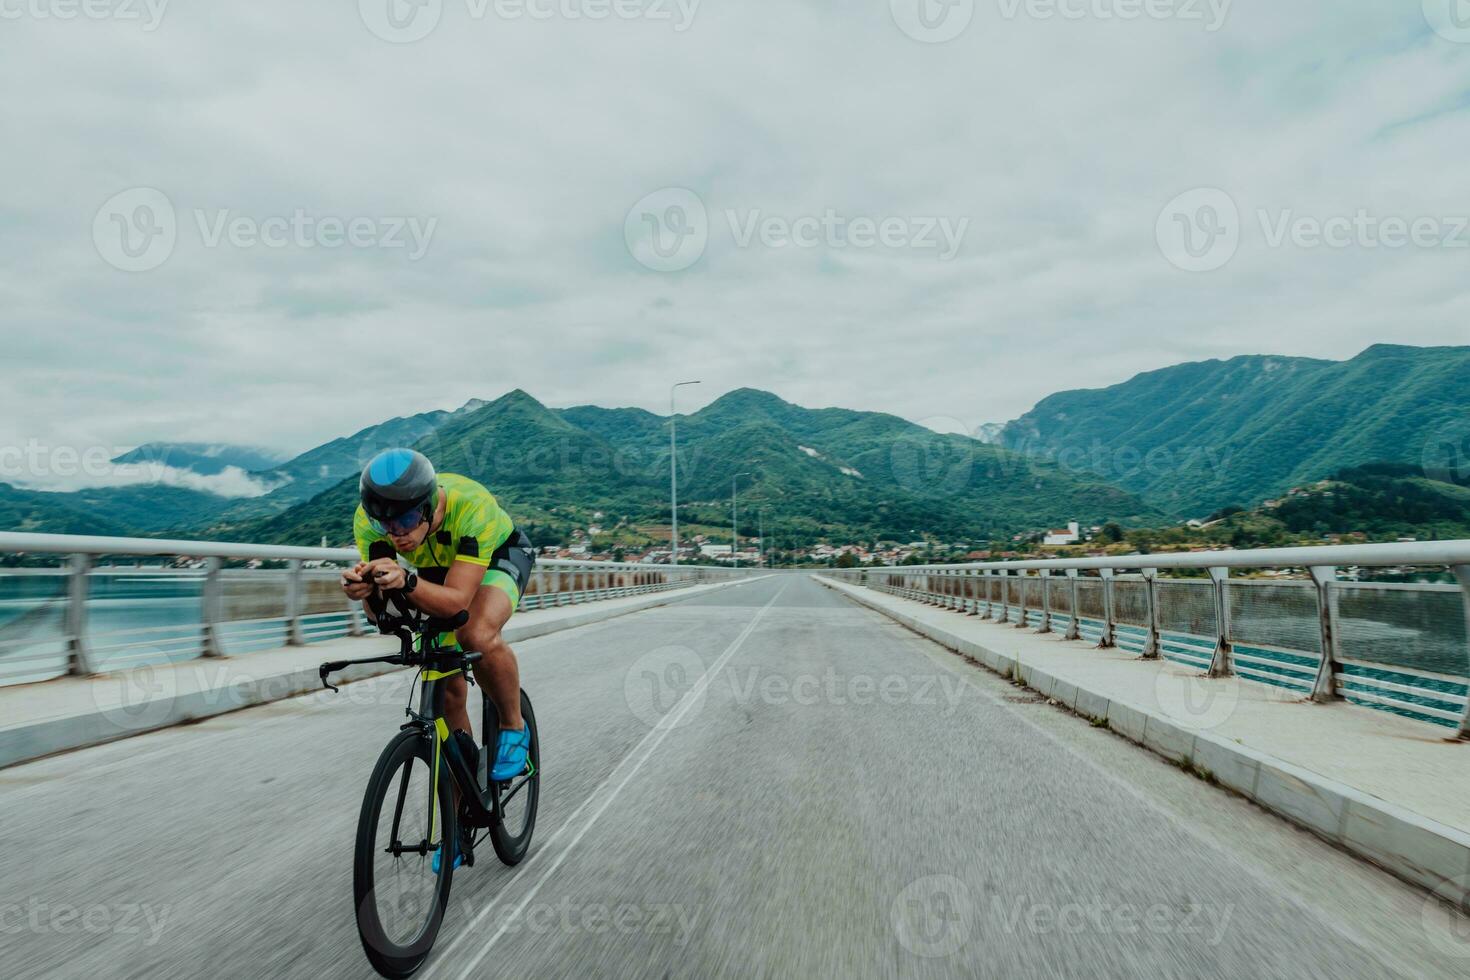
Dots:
{"x": 1420, "y": 767}
{"x": 828, "y": 794}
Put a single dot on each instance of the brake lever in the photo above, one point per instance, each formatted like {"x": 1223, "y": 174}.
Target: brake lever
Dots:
{"x": 323, "y": 671}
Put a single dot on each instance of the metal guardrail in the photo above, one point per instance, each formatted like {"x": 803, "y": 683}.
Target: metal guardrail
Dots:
{"x": 1404, "y": 648}
{"x": 92, "y": 617}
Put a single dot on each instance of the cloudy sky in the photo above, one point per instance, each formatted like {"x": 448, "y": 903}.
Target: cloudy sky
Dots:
{"x": 277, "y": 222}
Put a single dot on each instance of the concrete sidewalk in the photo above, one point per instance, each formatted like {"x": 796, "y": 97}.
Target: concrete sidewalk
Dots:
{"x": 1389, "y": 789}
{"x": 53, "y": 716}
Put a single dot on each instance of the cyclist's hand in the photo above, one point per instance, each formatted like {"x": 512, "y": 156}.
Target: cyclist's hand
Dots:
{"x": 357, "y": 582}
{"x": 388, "y": 574}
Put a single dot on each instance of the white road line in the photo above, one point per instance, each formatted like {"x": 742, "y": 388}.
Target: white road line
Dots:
{"x": 634, "y": 761}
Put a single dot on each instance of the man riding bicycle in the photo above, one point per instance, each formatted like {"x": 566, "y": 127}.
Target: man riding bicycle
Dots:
{"x": 466, "y": 555}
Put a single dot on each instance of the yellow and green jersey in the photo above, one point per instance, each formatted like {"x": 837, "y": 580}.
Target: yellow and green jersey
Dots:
{"x": 475, "y": 525}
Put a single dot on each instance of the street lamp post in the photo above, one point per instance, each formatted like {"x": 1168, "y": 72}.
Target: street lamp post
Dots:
{"x": 734, "y": 525}
{"x": 760, "y": 516}
{"x": 674, "y": 476}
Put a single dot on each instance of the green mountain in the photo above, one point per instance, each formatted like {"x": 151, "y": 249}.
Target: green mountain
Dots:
{"x": 1196, "y": 437}
{"x": 1380, "y": 500}
{"x": 1374, "y": 502}
{"x": 37, "y": 512}
{"x": 815, "y": 473}
{"x": 325, "y": 466}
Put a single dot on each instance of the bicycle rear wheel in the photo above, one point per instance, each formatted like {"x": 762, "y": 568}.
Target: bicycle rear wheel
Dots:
{"x": 406, "y": 817}
{"x": 516, "y": 798}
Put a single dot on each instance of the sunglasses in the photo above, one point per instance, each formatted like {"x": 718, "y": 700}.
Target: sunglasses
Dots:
{"x": 404, "y": 523}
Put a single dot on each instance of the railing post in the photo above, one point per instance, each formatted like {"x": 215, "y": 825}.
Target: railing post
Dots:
{"x": 1220, "y": 663}
{"x": 1153, "y": 645}
{"x": 1108, "y": 639}
{"x": 1025, "y": 583}
{"x": 972, "y": 591}
{"x": 78, "y": 587}
{"x": 1462, "y": 572}
{"x": 1074, "y": 623}
{"x": 1003, "y": 577}
{"x": 1045, "y": 601}
{"x": 209, "y": 604}
{"x": 1324, "y": 688}
{"x": 295, "y": 602}
{"x": 355, "y": 619}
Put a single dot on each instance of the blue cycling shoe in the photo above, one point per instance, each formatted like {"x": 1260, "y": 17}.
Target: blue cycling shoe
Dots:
{"x": 511, "y": 754}
{"x": 458, "y": 857}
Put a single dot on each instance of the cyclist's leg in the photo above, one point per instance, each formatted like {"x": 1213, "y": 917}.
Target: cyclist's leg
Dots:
{"x": 497, "y": 670}
{"x": 456, "y": 713}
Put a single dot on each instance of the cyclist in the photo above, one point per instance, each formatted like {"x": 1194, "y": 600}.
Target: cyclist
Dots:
{"x": 466, "y": 554}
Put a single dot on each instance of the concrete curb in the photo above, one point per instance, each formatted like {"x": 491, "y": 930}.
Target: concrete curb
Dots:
{"x": 1415, "y": 848}
{"x": 26, "y": 743}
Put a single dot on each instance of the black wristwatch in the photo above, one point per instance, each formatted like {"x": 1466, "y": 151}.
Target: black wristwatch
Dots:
{"x": 410, "y": 582}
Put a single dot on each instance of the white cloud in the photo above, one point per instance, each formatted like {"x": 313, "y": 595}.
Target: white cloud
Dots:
{"x": 229, "y": 482}
{"x": 1060, "y": 140}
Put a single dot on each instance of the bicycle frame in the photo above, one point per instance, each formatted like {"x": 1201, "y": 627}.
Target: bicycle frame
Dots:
{"x": 482, "y": 805}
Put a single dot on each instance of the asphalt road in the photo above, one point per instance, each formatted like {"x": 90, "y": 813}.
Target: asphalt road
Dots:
{"x": 763, "y": 781}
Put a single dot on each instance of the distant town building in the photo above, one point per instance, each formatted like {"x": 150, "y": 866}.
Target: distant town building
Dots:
{"x": 1070, "y": 534}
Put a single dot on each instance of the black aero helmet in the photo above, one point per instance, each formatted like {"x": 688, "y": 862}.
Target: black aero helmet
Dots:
{"x": 398, "y": 490}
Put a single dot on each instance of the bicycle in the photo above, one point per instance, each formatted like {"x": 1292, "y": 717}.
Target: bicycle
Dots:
{"x": 441, "y": 798}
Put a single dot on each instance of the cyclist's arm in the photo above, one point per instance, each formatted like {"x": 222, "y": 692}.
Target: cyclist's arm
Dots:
{"x": 455, "y": 595}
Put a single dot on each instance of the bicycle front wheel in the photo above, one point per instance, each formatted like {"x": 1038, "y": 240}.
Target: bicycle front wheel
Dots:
{"x": 407, "y": 818}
